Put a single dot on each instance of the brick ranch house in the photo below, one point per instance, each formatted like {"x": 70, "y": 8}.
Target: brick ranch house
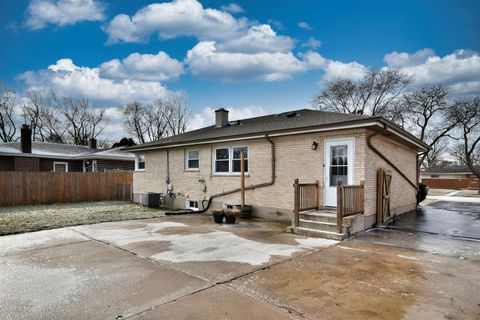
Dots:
{"x": 279, "y": 148}
{"x": 451, "y": 177}
{"x": 54, "y": 157}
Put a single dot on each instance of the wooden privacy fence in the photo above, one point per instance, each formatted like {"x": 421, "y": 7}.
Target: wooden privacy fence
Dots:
{"x": 23, "y": 188}
{"x": 350, "y": 201}
{"x": 305, "y": 198}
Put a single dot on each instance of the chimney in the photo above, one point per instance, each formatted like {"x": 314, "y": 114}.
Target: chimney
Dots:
{"x": 26, "y": 138}
{"x": 92, "y": 143}
{"x": 221, "y": 117}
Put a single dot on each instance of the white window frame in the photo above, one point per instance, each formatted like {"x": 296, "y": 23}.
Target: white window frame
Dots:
{"x": 94, "y": 166}
{"x": 137, "y": 156}
{"x": 60, "y": 162}
{"x": 190, "y": 207}
{"x": 187, "y": 154}
{"x": 230, "y": 160}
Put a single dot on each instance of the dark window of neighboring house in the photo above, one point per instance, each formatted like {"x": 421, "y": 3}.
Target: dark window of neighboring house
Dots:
{"x": 434, "y": 176}
{"x": 60, "y": 167}
{"x": 193, "y": 204}
{"x": 192, "y": 160}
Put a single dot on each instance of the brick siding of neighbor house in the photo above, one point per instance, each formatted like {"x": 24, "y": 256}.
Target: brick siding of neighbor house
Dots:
{"x": 403, "y": 195}
{"x": 112, "y": 165}
{"x": 27, "y": 164}
{"x": 7, "y": 163}
{"x": 452, "y": 182}
{"x": 294, "y": 159}
{"x": 73, "y": 165}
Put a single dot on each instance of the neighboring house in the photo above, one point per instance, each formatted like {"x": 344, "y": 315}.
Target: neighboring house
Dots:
{"x": 44, "y": 156}
{"x": 305, "y": 144}
{"x": 451, "y": 177}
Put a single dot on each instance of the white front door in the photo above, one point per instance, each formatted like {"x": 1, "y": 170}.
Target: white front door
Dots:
{"x": 338, "y": 165}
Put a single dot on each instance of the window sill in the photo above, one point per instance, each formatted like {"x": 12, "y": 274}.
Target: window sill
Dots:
{"x": 139, "y": 170}
{"x": 192, "y": 170}
{"x": 228, "y": 175}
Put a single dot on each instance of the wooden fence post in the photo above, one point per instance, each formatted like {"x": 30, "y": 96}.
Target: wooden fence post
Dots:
{"x": 340, "y": 200}
{"x": 296, "y": 203}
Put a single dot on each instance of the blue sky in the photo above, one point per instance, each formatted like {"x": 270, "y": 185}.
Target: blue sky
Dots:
{"x": 253, "y": 56}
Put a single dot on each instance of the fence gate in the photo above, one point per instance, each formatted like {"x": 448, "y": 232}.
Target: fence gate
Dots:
{"x": 384, "y": 183}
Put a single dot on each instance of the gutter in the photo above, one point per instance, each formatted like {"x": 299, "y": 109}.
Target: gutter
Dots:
{"x": 251, "y": 187}
{"x": 369, "y": 143}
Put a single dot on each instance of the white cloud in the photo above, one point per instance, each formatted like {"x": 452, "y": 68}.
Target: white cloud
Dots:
{"x": 173, "y": 19}
{"x": 62, "y": 12}
{"x": 403, "y": 59}
{"x": 205, "y": 61}
{"x": 312, "y": 43}
{"x": 207, "y": 116}
{"x": 459, "y": 71}
{"x": 144, "y": 67}
{"x": 259, "y": 38}
{"x": 232, "y": 8}
{"x": 337, "y": 69}
{"x": 304, "y": 25}
{"x": 65, "y": 78}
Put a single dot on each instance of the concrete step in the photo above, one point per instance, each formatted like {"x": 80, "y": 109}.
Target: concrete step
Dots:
{"x": 319, "y": 225}
{"x": 325, "y": 217}
{"x": 318, "y": 233}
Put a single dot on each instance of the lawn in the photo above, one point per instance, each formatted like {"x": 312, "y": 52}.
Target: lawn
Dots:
{"x": 40, "y": 217}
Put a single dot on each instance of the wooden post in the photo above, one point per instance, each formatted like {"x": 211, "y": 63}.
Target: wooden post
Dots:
{"x": 380, "y": 174}
{"x": 296, "y": 203}
{"x": 340, "y": 200}
{"x": 242, "y": 173}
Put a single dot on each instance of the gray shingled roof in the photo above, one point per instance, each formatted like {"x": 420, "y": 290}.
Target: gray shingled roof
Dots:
{"x": 303, "y": 118}
{"x": 58, "y": 150}
{"x": 450, "y": 169}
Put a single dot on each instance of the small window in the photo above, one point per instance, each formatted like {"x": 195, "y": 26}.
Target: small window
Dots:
{"x": 222, "y": 160}
{"x": 140, "y": 162}
{"x": 94, "y": 166}
{"x": 434, "y": 176}
{"x": 236, "y": 162}
{"x": 60, "y": 167}
{"x": 192, "y": 160}
{"x": 192, "y": 204}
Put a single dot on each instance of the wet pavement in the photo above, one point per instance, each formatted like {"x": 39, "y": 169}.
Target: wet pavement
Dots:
{"x": 452, "y": 218}
{"x": 427, "y": 266}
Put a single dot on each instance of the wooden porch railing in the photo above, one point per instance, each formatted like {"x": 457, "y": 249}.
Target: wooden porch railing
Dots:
{"x": 306, "y": 197}
{"x": 350, "y": 201}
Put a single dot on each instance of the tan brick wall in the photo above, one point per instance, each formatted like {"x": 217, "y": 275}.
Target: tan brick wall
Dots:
{"x": 294, "y": 159}
{"x": 403, "y": 195}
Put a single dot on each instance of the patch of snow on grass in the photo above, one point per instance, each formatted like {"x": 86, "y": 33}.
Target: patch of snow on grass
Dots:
{"x": 24, "y": 241}
{"x": 316, "y": 242}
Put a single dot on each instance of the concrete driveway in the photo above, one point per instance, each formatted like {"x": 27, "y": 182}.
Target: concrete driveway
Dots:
{"x": 185, "y": 267}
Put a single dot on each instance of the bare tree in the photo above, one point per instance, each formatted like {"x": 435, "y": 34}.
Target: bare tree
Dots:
{"x": 458, "y": 153}
{"x": 467, "y": 113}
{"x": 134, "y": 120}
{"x": 372, "y": 95}
{"x": 166, "y": 117}
{"x": 177, "y": 113}
{"x": 8, "y": 128}
{"x": 80, "y": 120}
{"x": 425, "y": 114}
{"x": 435, "y": 156}
{"x": 46, "y": 126}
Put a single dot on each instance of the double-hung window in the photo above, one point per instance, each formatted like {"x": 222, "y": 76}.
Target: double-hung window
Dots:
{"x": 227, "y": 160}
{"x": 236, "y": 162}
{"x": 192, "y": 160}
{"x": 140, "y": 162}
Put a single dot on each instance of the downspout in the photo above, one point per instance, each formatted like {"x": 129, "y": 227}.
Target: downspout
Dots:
{"x": 251, "y": 187}
{"x": 168, "y": 167}
{"x": 369, "y": 143}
